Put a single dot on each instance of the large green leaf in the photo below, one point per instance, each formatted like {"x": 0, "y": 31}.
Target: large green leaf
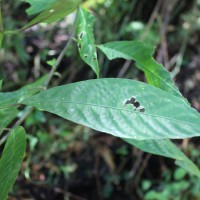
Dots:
{"x": 11, "y": 160}
{"x": 107, "y": 105}
{"x": 6, "y": 116}
{"x": 155, "y": 73}
{"x": 166, "y": 148}
{"x": 85, "y": 39}
{"x": 11, "y": 98}
{"x": 55, "y": 10}
{"x": 157, "y": 76}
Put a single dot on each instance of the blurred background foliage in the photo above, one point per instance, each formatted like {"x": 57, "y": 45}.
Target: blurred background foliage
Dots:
{"x": 68, "y": 161}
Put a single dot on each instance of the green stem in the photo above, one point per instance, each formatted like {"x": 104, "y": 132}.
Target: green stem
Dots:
{"x": 1, "y": 38}
{"x": 18, "y": 123}
{"x": 60, "y": 57}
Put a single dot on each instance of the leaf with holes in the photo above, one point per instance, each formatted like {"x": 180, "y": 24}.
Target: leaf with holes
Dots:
{"x": 166, "y": 148}
{"x": 155, "y": 73}
{"x": 157, "y": 76}
{"x": 55, "y": 11}
{"x": 102, "y": 105}
{"x": 85, "y": 39}
{"x": 11, "y": 160}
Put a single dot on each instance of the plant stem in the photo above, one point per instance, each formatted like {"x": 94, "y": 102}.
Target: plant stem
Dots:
{"x": 55, "y": 66}
{"x": 151, "y": 20}
{"x": 180, "y": 55}
{"x": 23, "y": 117}
{"x": 18, "y": 122}
{"x": 62, "y": 54}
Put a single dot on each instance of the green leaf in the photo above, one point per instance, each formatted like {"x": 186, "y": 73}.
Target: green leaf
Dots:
{"x": 179, "y": 174}
{"x": 56, "y": 10}
{"x": 11, "y": 160}
{"x": 106, "y": 105}
{"x": 11, "y": 98}
{"x": 166, "y": 148}
{"x": 6, "y": 117}
{"x": 37, "y": 6}
{"x": 188, "y": 165}
{"x": 157, "y": 76}
{"x": 85, "y": 39}
{"x": 155, "y": 73}
{"x": 51, "y": 62}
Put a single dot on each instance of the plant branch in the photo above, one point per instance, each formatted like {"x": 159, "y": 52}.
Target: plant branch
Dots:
{"x": 62, "y": 54}
{"x": 179, "y": 58}
{"x": 23, "y": 117}
{"x": 151, "y": 20}
{"x": 18, "y": 122}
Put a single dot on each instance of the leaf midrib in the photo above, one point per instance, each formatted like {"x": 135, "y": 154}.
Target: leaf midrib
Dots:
{"x": 116, "y": 108}
{"x": 170, "y": 85}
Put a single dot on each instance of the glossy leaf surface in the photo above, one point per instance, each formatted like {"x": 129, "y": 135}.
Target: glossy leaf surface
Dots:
{"x": 11, "y": 160}
{"x": 85, "y": 39}
{"x": 157, "y": 76}
{"x": 106, "y": 105}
